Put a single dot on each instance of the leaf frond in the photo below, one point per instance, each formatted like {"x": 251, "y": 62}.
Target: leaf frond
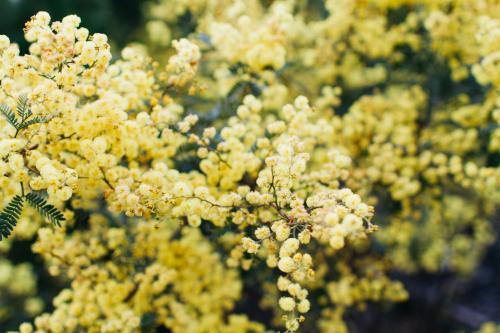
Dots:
{"x": 54, "y": 215}
{"x": 10, "y": 216}
{"x": 9, "y": 115}
{"x": 22, "y": 108}
{"x": 36, "y": 120}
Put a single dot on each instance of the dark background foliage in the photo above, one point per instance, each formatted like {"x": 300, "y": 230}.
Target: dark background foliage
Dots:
{"x": 119, "y": 19}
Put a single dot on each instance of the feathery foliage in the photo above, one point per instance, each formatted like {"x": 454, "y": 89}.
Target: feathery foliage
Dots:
{"x": 24, "y": 112}
{"x": 35, "y": 120}
{"x": 9, "y": 115}
{"x": 10, "y": 215}
{"x": 46, "y": 210}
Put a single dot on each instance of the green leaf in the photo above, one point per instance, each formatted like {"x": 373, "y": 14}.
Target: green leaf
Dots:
{"x": 23, "y": 110}
{"x": 48, "y": 211}
{"x": 36, "y": 120}
{"x": 11, "y": 117}
{"x": 10, "y": 216}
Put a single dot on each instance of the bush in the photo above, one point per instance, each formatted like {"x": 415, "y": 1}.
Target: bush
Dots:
{"x": 249, "y": 166}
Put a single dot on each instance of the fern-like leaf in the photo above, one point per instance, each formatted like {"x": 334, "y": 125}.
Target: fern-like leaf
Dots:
{"x": 36, "y": 120}
{"x": 11, "y": 117}
{"x": 46, "y": 210}
{"x": 10, "y": 216}
{"x": 22, "y": 108}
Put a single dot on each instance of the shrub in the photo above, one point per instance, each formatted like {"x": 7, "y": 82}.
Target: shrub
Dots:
{"x": 303, "y": 151}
